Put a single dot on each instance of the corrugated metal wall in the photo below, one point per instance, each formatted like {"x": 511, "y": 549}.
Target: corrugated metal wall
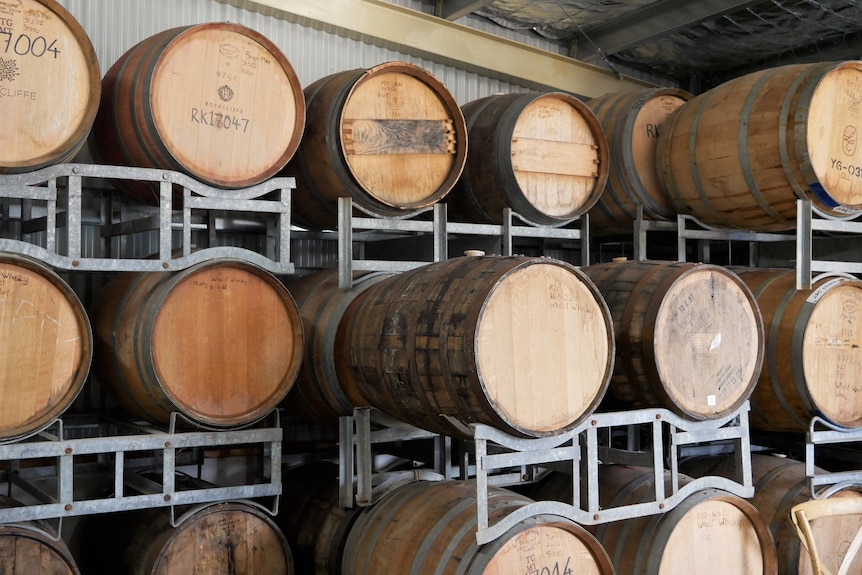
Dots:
{"x": 114, "y": 26}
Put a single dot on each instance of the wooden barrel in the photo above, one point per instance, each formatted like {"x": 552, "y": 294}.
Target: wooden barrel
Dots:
{"x": 741, "y": 154}
{"x": 318, "y": 395}
{"x": 46, "y": 346}
{"x": 219, "y": 342}
{"x": 689, "y": 336}
{"x": 49, "y": 85}
{"x": 779, "y": 484}
{"x": 32, "y": 548}
{"x": 232, "y": 537}
{"x": 543, "y": 155}
{"x": 813, "y": 355}
{"x": 720, "y": 533}
{"x": 217, "y": 101}
{"x": 430, "y": 527}
{"x": 315, "y": 526}
{"x": 632, "y": 121}
{"x": 522, "y": 344}
{"x": 390, "y": 137}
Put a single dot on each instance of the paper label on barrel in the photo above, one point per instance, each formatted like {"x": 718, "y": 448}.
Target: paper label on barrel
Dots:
{"x": 44, "y": 81}
{"x": 822, "y": 290}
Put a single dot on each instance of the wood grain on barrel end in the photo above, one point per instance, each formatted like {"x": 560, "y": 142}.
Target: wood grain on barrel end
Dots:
{"x": 227, "y": 343}
{"x": 45, "y": 346}
{"x": 708, "y": 342}
{"x": 832, "y": 354}
{"x": 543, "y": 348}
{"x": 49, "y": 86}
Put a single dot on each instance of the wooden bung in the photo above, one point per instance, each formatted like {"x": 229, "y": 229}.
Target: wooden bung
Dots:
{"x": 219, "y": 342}
{"x": 49, "y": 85}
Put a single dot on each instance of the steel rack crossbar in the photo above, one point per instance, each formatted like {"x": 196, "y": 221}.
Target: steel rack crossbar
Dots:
{"x": 502, "y": 459}
{"x": 806, "y": 224}
{"x": 53, "y": 455}
{"x": 585, "y": 508}
{"x": 822, "y": 432}
{"x": 440, "y": 229}
{"x": 63, "y": 207}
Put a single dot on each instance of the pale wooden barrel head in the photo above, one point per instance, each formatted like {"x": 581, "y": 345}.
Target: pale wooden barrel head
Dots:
{"x": 832, "y": 351}
{"x": 24, "y": 551}
{"x": 555, "y": 155}
{"x": 833, "y": 536}
{"x": 45, "y": 346}
{"x": 226, "y": 343}
{"x": 225, "y": 104}
{"x": 644, "y": 139}
{"x": 708, "y": 341}
{"x": 715, "y": 537}
{"x": 834, "y": 127}
{"x": 228, "y": 540}
{"x": 398, "y": 136}
{"x": 548, "y": 548}
{"x": 49, "y": 85}
{"x": 544, "y": 347}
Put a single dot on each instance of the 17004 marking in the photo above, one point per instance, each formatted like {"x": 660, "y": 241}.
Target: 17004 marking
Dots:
{"x": 24, "y": 45}
{"x": 219, "y": 120}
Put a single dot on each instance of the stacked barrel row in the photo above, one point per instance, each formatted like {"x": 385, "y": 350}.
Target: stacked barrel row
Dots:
{"x": 528, "y": 345}
{"x": 221, "y": 103}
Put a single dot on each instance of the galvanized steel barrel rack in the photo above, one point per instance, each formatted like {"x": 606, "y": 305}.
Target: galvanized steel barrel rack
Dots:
{"x": 65, "y": 217}
{"x": 439, "y": 230}
{"x": 822, "y": 433}
{"x": 49, "y": 465}
{"x": 51, "y": 199}
{"x": 497, "y": 458}
{"x": 689, "y": 228}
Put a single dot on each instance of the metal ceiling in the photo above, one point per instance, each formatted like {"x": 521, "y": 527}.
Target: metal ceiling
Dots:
{"x": 696, "y": 43}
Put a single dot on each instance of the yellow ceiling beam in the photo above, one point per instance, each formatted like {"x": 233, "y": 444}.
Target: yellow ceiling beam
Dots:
{"x": 425, "y": 36}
